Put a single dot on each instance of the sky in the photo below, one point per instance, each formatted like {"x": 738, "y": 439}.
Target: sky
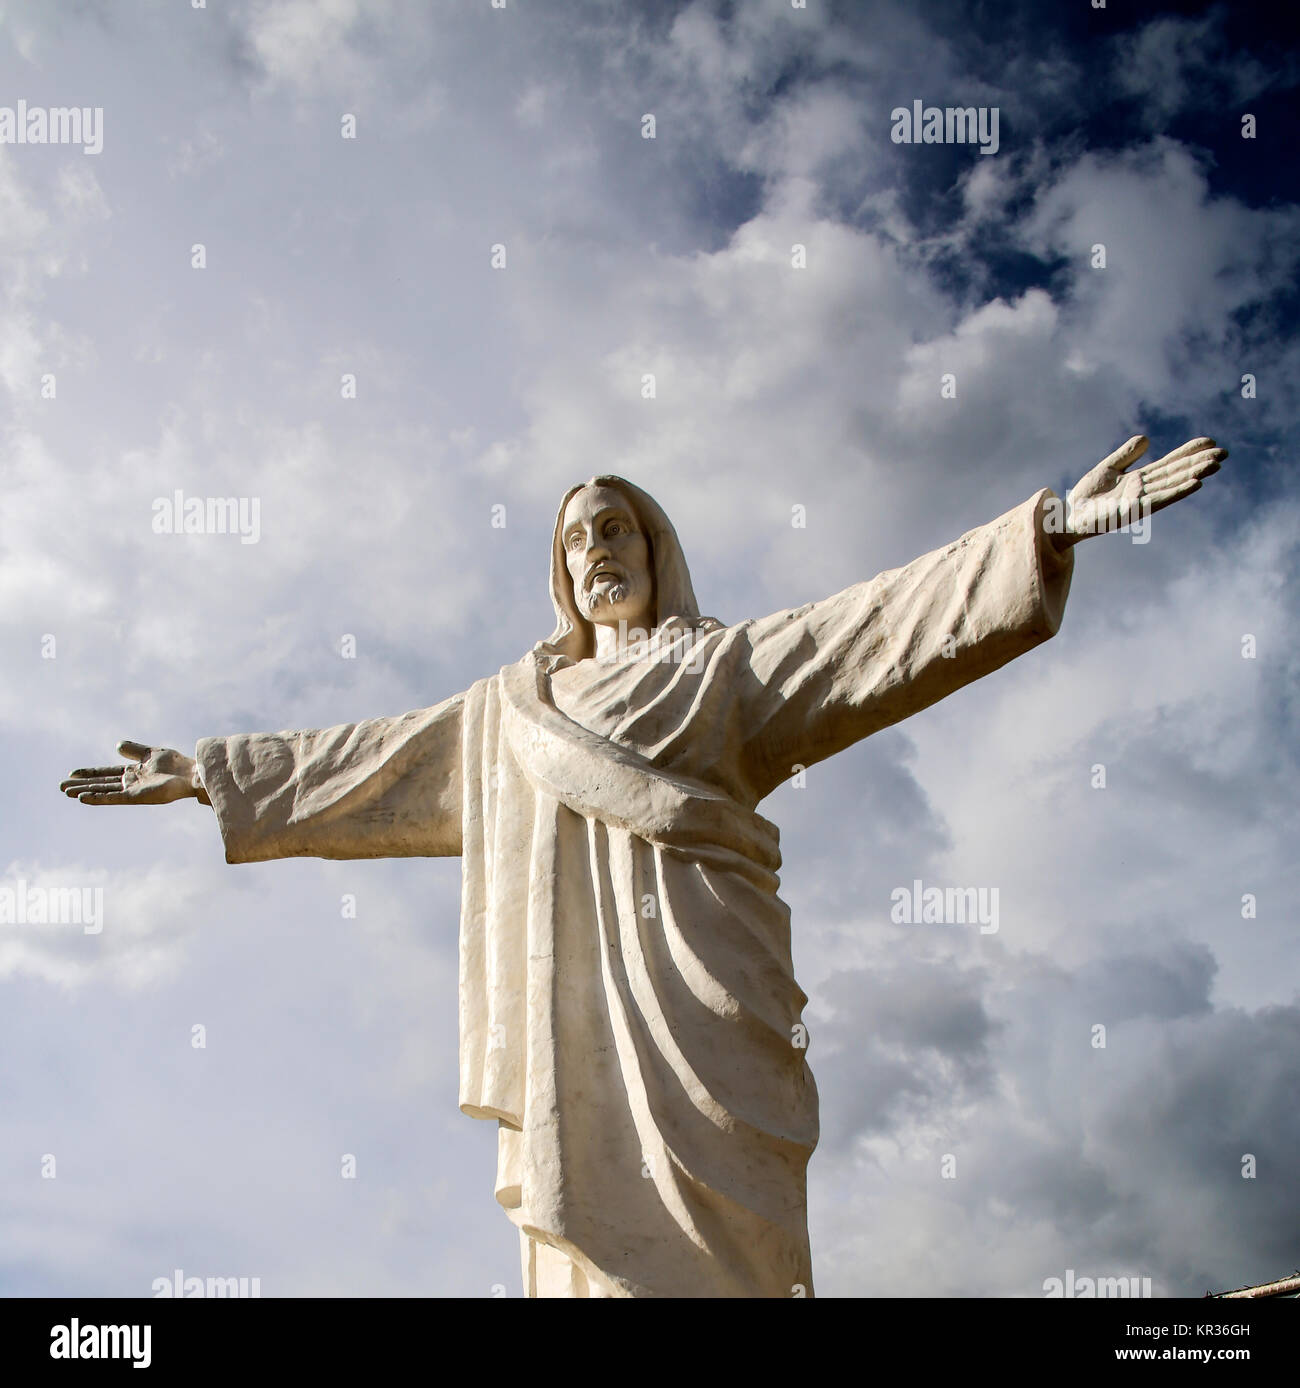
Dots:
{"x": 977, "y": 1140}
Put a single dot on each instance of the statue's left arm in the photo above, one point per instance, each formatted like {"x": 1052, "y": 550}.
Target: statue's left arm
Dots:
{"x": 828, "y": 674}
{"x": 835, "y": 671}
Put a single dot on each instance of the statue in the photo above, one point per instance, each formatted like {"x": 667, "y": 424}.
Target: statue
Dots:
{"x": 629, "y": 1015}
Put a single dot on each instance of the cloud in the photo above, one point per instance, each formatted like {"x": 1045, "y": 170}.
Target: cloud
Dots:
{"x": 312, "y": 46}
{"x": 1086, "y": 1158}
{"x": 1173, "y": 63}
{"x": 124, "y": 928}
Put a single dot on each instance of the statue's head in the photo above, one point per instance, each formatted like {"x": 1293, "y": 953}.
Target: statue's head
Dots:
{"x": 615, "y": 561}
{"x": 608, "y": 556}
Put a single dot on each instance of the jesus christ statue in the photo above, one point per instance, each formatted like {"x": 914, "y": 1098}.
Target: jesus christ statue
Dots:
{"x": 629, "y": 1015}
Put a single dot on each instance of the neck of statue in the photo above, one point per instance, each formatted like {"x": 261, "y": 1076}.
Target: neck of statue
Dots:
{"x": 614, "y": 638}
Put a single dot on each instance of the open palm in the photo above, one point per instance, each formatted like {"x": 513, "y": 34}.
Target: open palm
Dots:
{"x": 152, "y": 776}
{"x": 1110, "y": 497}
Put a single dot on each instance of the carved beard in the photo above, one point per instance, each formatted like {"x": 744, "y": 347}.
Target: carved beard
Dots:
{"x": 592, "y": 600}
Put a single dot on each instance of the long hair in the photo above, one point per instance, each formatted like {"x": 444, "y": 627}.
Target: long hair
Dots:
{"x": 574, "y": 636}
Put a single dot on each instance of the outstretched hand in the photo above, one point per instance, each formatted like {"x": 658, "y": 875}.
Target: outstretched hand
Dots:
{"x": 1110, "y": 497}
{"x": 152, "y": 776}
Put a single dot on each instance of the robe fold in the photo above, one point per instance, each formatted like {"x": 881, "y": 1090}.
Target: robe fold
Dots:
{"x": 629, "y": 1013}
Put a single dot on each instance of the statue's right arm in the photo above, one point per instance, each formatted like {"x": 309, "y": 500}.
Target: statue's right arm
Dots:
{"x": 381, "y": 788}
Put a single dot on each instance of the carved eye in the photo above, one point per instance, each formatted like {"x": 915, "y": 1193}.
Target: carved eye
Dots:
{"x": 615, "y": 528}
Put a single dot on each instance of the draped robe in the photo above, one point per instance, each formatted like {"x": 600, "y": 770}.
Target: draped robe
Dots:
{"x": 629, "y": 1013}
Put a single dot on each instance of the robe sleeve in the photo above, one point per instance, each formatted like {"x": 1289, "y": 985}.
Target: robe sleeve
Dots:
{"x": 833, "y": 672}
{"x": 384, "y": 788}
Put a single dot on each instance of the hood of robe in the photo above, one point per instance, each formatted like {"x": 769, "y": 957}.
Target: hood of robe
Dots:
{"x": 574, "y": 636}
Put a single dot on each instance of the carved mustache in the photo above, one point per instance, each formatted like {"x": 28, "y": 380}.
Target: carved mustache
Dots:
{"x": 602, "y": 566}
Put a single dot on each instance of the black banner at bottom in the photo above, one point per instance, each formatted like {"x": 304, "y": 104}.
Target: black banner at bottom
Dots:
{"x": 46, "y": 1336}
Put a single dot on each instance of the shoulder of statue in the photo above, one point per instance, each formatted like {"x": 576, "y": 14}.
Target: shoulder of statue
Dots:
{"x": 699, "y": 626}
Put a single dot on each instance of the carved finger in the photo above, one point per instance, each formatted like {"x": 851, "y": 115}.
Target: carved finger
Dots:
{"x": 1185, "y": 450}
{"x": 1127, "y": 454}
{"x": 1168, "y": 467}
{"x": 94, "y": 773}
{"x": 106, "y": 798}
{"x": 77, "y": 787}
{"x": 137, "y": 751}
{"x": 1166, "y": 495}
{"x": 1167, "y": 481}
{"x": 1202, "y": 465}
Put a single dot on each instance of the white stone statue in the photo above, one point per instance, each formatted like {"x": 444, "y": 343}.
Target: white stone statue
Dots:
{"x": 628, "y": 1011}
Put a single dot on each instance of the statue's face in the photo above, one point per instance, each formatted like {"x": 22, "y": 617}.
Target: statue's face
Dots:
{"x": 608, "y": 555}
